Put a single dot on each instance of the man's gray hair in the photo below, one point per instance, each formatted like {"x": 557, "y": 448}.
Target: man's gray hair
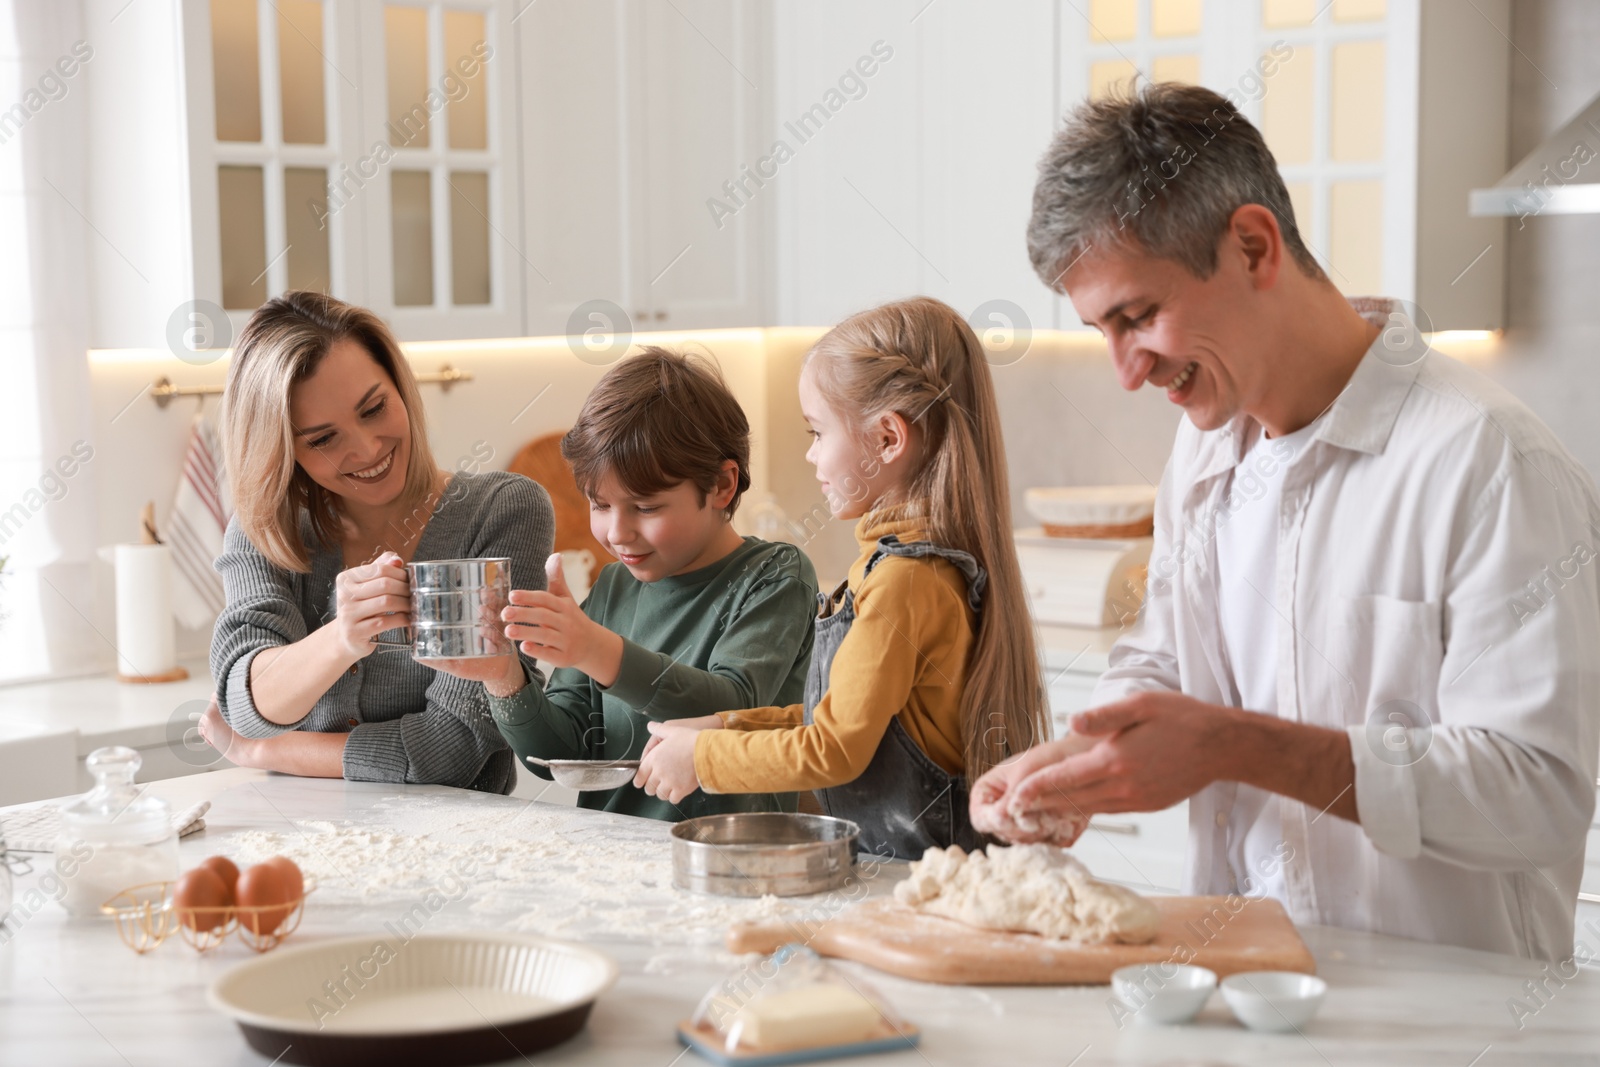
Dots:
{"x": 1161, "y": 167}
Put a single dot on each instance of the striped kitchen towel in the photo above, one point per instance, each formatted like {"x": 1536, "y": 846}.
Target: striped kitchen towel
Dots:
{"x": 199, "y": 516}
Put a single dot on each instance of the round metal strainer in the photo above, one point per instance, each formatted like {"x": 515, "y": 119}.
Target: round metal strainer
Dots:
{"x": 585, "y": 775}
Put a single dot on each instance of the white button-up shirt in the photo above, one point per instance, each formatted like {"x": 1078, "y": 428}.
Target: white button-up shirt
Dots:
{"x": 1437, "y": 598}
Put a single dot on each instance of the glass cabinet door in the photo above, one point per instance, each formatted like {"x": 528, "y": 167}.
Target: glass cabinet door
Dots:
{"x": 354, "y": 147}
{"x": 1310, "y": 73}
{"x": 271, "y": 148}
{"x": 437, "y": 88}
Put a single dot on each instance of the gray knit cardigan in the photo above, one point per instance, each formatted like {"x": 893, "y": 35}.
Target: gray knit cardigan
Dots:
{"x": 407, "y": 722}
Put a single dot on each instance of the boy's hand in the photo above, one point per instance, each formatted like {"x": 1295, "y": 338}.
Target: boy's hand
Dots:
{"x": 666, "y": 769}
{"x": 552, "y": 627}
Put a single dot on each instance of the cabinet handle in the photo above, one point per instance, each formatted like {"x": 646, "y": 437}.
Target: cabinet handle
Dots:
{"x": 1589, "y": 898}
{"x": 1129, "y": 828}
{"x": 661, "y": 316}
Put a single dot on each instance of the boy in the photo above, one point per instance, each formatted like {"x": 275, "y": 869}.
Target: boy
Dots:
{"x": 693, "y": 619}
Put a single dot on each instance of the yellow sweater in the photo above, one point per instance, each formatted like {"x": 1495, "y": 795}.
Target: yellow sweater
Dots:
{"x": 905, "y": 657}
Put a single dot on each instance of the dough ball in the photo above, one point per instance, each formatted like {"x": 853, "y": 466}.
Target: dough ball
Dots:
{"x": 1038, "y": 889}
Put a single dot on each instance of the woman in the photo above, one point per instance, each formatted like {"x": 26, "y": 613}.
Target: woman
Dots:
{"x": 336, "y": 489}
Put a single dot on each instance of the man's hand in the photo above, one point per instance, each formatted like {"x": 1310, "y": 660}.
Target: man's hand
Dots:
{"x": 1141, "y": 754}
{"x": 666, "y": 770}
{"x": 992, "y": 805}
{"x": 1149, "y": 752}
{"x": 552, "y": 627}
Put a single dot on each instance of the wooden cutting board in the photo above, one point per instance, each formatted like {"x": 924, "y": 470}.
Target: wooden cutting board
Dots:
{"x": 1256, "y": 935}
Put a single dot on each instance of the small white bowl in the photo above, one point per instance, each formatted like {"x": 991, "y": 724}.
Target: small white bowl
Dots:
{"x": 1274, "y": 1001}
{"x": 1161, "y": 994}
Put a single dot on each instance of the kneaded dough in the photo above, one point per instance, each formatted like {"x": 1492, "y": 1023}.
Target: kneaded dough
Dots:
{"x": 1036, "y": 889}
{"x": 1011, "y": 822}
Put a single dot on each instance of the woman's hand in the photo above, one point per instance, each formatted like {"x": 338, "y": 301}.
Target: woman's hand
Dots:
{"x": 240, "y": 751}
{"x": 368, "y": 600}
{"x": 666, "y": 770}
{"x": 552, "y": 627}
{"x": 309, "y": 755}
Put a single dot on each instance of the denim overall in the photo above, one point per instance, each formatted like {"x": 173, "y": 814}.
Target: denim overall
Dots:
{"x": 904, "y": 802}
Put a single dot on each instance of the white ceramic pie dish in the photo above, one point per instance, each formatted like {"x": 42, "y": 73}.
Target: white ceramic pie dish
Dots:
{"x": 433, "y": 999}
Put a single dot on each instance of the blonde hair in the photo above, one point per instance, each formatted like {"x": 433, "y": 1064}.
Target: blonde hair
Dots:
{"x": 920, "y": 359}
{"x": 283, "y": 344}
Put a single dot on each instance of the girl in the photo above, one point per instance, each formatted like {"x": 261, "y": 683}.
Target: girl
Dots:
{"x": 924, "y": 673}
{"x": 323, "y": 433}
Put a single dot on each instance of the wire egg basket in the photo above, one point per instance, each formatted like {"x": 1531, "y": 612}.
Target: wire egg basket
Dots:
{"x": 146, "y": 915}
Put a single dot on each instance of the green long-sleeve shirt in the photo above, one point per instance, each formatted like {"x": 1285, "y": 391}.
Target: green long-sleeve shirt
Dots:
{"x": 736, "y": 634}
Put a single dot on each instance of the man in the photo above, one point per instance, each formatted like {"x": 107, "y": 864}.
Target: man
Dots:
{"x": 1368, "y": 653}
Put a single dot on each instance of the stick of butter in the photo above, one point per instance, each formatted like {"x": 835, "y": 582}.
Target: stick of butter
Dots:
{"x": 806, "y": 1016}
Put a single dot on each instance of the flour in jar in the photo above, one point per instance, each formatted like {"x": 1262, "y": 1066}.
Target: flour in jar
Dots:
{"x": 1036, "y": 889}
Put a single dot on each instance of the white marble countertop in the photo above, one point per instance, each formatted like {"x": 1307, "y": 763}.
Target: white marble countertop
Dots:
{"x": 102, "y": 710}
{"x": 70, "y": 993}
{"x": 48, "y": 727}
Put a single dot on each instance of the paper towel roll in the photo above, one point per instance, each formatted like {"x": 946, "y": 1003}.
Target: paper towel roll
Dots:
{"x": 145, "y": 637}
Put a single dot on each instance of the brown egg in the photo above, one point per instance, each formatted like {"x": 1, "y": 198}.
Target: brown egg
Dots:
{"x": 196, "y": 893}
{"x": 264, "y": 886}
{"x": 225, "y": 869}
{"x": 291, "y": 871}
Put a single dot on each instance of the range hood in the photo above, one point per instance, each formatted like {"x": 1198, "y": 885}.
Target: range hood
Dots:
{"x": 1560, "y": 177}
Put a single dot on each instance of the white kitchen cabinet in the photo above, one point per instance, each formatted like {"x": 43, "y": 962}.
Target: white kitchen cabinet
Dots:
{"x": 1141, "y": 849}
{"x": 574, "y": 159}
{"x": 634, "y": 116}
{"x": 921, "y": 183}
{"x": 700, "y": 95}
{"x": 361, "y": 149}
{"x": 988, "y": 106}
{"x": 1382, "y": 116}
{"x": 706, "y": 163}
{"x": 341, "y": 145}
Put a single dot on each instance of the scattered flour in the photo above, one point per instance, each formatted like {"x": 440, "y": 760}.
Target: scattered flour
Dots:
{"x": 540, "y": 869}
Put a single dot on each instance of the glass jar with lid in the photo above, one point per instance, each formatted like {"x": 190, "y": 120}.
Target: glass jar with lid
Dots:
{"x": 114, "y": 837}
